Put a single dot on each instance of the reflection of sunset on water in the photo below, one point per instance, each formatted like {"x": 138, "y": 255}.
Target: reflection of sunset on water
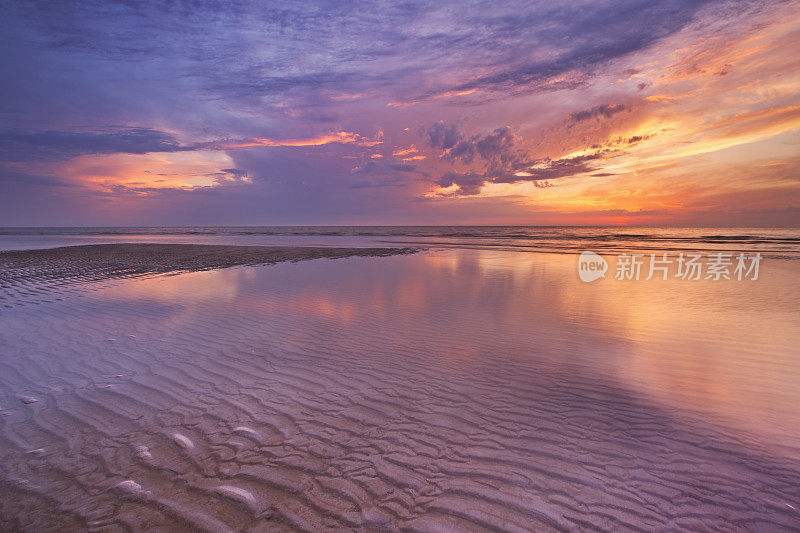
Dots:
{"x": 400, "y": 266}
{"x": 699, "y": 346}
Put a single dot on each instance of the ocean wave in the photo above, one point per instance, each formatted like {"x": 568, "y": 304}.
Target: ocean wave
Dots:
{"x": 778, "y": 240}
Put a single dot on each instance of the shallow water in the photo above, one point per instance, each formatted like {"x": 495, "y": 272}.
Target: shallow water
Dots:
{"x": 455, "y": 388}
{"x": 773, "y": 242}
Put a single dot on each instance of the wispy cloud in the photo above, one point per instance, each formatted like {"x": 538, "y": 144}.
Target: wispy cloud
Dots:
{"x": 630, "y": 108}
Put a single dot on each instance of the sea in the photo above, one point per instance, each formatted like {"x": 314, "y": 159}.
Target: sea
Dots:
{"x": 770, "y": 242}
{"x": 474, "y": 384}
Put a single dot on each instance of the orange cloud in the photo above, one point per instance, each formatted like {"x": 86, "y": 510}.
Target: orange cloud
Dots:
{"x": 165, "y": 170}
{"x": 666, "y": 97}
{"x": 446, "y": 94}
{"x": 717, "y": 137}
{"x": 340, "y": 137}
{"x": 405, "y": 151}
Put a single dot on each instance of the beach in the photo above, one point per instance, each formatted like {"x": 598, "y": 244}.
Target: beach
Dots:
{"x": 232, "y": 388}
{"x": 426, "y": 266}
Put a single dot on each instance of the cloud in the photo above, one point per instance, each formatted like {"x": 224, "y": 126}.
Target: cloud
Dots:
{"x": 373, "y": 166}
{"x": 469, "y": 183}
{"x": 9, "y": 175}
{"x": 493, "y": 147}
{"x": 463, "y": 150}
{"x": 536, "y": 171}
{"x": 63, "y": 145}
{"x": 251, "y": 50}
{"x": 597, "y": 33}
{"x": 604, "y": 110}
{"x": 546, "y": 169}
{"x": 283, "y": 98}
{"x": 228, "y": 176}
{"x": 504, "y": 162}
{"x": 440, "y": 135}
{"x": 405, "y": 151}
{"x": 340, "y": 137}
{"x": 496, "y": 144}
{"x": 59, "y": 145}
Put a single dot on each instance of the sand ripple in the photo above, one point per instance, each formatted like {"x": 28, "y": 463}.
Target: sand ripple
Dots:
{"x": 36, "y": 276}
{"x": 256, "y": 421}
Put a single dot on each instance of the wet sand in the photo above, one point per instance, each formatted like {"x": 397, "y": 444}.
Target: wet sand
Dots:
{"x": 109, "y": 260}
{"x": 427, "y": 392}
{"x": 38, "y": 272}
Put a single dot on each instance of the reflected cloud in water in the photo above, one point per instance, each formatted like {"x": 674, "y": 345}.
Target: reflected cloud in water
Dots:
{"x": 722, "y": 349}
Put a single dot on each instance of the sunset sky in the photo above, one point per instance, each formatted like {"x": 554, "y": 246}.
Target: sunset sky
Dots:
{"x": 673, "y": 112}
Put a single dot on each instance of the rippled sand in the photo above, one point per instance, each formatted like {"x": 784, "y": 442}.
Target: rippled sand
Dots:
{"x": 447, "y": 390}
